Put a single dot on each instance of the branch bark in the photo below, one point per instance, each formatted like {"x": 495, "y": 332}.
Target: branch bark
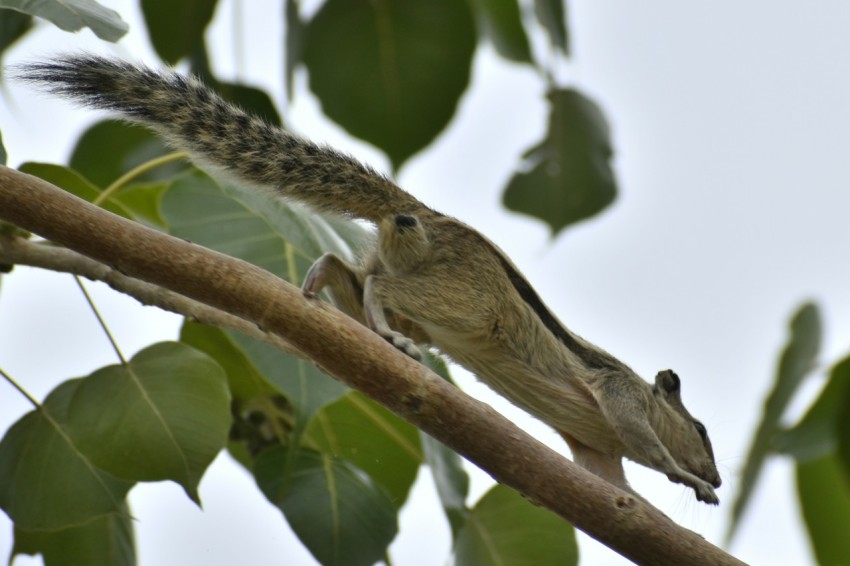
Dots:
{"x": 354, "y": 355}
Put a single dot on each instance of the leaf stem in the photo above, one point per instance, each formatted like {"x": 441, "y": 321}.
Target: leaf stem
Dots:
{"x": 101, "y": 321}
{"x": 20, "y": 389}
{"x": 135, "y": 172}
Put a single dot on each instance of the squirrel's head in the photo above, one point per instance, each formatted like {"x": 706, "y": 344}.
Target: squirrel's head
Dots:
{"x": 402, "y": 243}
{"x": 684, "y": 436}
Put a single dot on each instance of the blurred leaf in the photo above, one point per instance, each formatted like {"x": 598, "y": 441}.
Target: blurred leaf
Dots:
{"x": 797, "y": 360}
{"x": 818, "y": 433}
{"x": 356, "y": 237}
{"x": 8, "y": 230}
{"x": 109, "y": 149}
{"x": 450, "y": 479}
{"x": 3, "y": 155}
{"x": 142, "y": 201}
{"x": 372, "y": 438}
{"x": 250, "y": 99}
{"x": 259, "y": 419}
{"x": 177, "y": 28}
{"x": 244, "y": 381}
{"x": 13, "y": 26}
{"x": 568, "y": 176}
{"x": 825, "y": 504}
{"x": 198, "y": 209}
{"x": 842, "y": 427}
{"x": 295, "y": 34}
{"x": 438, "y": 365}
{"x": 501, "y": 22}
{"x": 165, "y": 415}
{"x": 46, "y": 482}
{"x": 241, "y": 453}
{"x": 552, "y": 16}
{"x": 105, "y": 540}
{"x": 74, "y": 15}
{"x": 391, "y": 72}
{"x": 74, "y": 183}
{"x": 280, "y": 238}
{"x": 136, "y": 202}
{"x": 505, "y": 528}
{"x": 338, "y": 512}
{"x": 306, "y": 387}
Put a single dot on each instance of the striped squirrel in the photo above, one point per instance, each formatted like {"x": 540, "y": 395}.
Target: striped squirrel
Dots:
{"x": 431, "y": 279}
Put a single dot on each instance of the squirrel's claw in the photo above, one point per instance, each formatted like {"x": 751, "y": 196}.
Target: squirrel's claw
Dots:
{"x": 403, "y": 343}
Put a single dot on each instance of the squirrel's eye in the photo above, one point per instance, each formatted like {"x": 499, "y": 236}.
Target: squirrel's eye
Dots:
{"x": 700, "y": 429}
{"x": 405, "y": 221}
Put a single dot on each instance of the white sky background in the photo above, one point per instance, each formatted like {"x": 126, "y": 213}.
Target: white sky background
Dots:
{"x": 730, "y": 129}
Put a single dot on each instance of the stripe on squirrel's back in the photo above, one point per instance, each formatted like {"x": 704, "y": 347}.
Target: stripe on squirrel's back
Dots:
{"x": 193, "y": 118}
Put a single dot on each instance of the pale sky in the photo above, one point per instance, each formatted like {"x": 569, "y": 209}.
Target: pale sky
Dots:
{"x": 730, "y": 131}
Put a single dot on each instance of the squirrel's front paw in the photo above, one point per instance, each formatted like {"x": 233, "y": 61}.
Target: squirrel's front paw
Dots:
{"x": 703, "y": 490}
{"x": 403, "y": 343}
{"x": 705, "y": 493}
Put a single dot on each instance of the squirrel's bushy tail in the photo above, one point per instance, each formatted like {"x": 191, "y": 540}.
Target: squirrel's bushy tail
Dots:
{"x": 193, "y": 118}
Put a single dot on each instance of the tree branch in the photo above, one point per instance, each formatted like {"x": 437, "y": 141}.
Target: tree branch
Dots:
{"x": 355, "y": 355}
{"x": 15, "y": 250}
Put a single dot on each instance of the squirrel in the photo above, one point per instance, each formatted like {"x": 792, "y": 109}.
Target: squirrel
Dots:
{"x": 430, "y": 279}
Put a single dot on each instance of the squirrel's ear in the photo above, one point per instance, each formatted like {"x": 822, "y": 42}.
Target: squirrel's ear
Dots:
{"x": 668, "y": 381}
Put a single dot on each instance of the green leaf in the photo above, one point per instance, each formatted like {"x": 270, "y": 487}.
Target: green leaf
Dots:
{"x": 820, "y": 431}
{"x": 3, "y": 155}
{"x": 74, "y": 15}
{"x": 252, "y": 100}
{"x": 110, "y": 148}
{"x": 504, "y": 528}
{"x": 450, "y": 479}
{"x": 177, "y": 28}
{"x": 142, "y": 202}
{"x": 842, "y": 430}
{"x": 46, "y": 481}
{"x": 243, "y": 379}
{"x": 552, "y": 16}
{"x": 567, "y": 177}
{"x": 13, "y": 26}
{"x": 165, "y": 415}
{"x": 391, "y": 72}
{"x": 247, "y": 224}
{"x": 501, "y": 22}
{"x": 74, "y": 183}
{"x": 136, "y": 202}
{"x": 797, "y": 360}
{"x": 438, "y": 365}
{"x": 295, "y": 34}
{"x": 105, "y": 540}
{"x": 338, "y": 512}
{"x": 263, "y": 417}
{"x": 824, "y": 493}
{"x": 355, "y": 236}
{"x": 372, "y": 438}
{"x": 306, "y": 387}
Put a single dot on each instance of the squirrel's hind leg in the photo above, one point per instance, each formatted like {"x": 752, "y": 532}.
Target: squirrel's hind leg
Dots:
{"x": 349, "y": 290}
{"x": 606, "y": 467}
{"x": 343, "y": 281}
